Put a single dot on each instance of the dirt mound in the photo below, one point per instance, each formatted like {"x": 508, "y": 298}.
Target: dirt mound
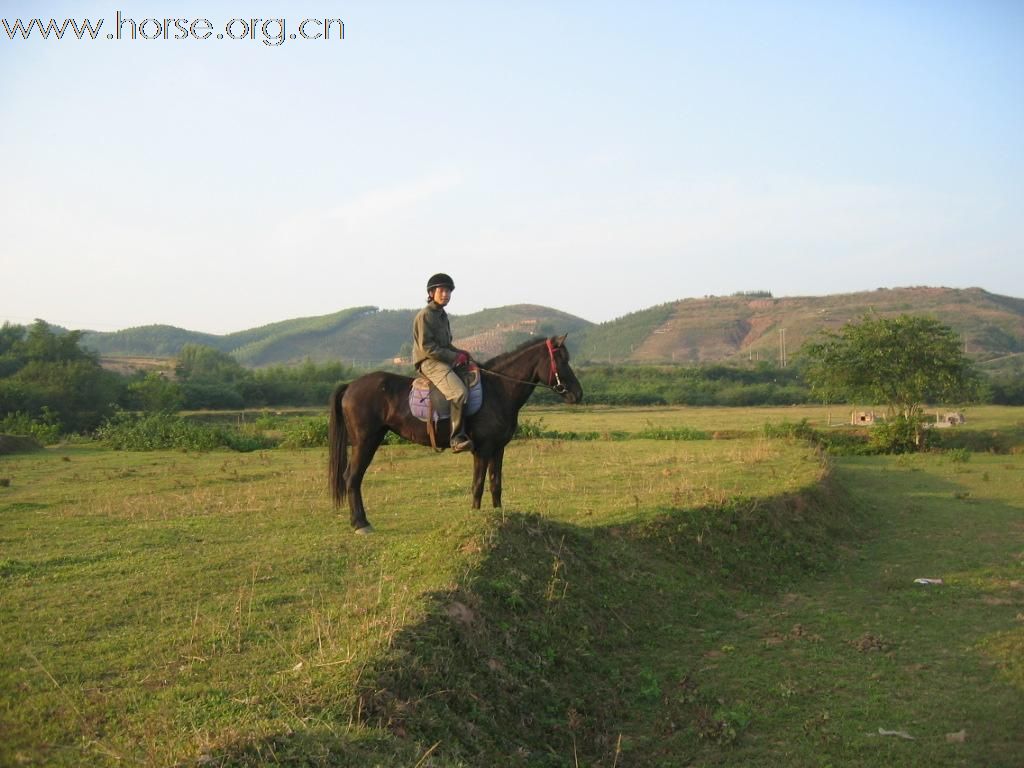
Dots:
{"x": 18, "y": 444}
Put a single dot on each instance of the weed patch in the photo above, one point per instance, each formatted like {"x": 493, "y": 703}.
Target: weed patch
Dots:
{"x": 310, "y": 433}
{"x": 161, "y": 431}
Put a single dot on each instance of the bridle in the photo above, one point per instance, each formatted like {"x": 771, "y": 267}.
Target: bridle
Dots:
{"x": 554, "y": 382}
{"x": 553, "y": 376}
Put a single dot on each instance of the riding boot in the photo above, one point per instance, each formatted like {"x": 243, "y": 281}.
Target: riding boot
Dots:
{"x": 460, "y": 441}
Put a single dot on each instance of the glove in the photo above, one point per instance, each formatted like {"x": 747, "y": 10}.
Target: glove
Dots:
{"x": 462, "y": 358}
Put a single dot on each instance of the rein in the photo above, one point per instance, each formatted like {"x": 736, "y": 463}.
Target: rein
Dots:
{"x": 557, "y": 386}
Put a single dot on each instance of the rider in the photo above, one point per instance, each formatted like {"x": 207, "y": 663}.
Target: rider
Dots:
{"x": 435, "y": 356}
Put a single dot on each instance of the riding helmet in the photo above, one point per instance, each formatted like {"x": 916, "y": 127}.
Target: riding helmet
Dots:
{"x": 440, "y": 280}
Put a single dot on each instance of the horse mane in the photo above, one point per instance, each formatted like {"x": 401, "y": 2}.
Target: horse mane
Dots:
{"x": 504, "y": 356}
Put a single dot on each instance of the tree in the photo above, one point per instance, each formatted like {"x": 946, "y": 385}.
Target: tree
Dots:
{"x": 211, "y": 378}
{"x": 47, "y": 376}
{"x": 902, "y": 363}
{"x": 205, "y": 365}
{"x": 43, "y": 344}
{"x": 154, "y": 393}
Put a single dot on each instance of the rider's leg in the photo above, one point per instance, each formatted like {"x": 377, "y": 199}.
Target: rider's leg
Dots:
{"x": 455, "y": 391}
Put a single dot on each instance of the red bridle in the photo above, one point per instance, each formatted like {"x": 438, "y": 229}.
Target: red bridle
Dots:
{"x": 554, "y": 380}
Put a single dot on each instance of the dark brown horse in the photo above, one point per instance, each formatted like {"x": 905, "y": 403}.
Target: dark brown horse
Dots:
{"x": 365, "y": 410}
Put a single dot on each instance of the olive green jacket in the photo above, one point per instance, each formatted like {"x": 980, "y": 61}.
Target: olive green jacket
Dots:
{"x": 432, "y": 336}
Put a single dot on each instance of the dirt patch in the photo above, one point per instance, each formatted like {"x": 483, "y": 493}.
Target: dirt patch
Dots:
{"x": 869, "y": 643}
{"x": 460, "y": 613}
{"x": 18, "y": 444}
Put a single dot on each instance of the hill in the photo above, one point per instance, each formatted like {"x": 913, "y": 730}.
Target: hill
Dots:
{"x": 760, "y": 327}
{"x": 366, "y": 335}
{"x": 713, "y": 329}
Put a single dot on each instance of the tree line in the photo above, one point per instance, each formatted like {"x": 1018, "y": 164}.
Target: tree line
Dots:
{"x": 50, "y": 384}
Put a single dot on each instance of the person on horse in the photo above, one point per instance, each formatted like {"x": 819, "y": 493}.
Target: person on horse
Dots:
{"x": 435, "y": 356}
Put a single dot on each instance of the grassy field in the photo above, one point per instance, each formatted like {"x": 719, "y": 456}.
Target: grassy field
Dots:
{"x": 646, "y": 602}
{"x": 601, "y": 418}
{"x": 712, "y": 419}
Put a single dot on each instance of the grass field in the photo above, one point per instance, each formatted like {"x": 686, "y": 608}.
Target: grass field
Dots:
{"x": 712, "y": 419}
{"x": 649, "y": 602}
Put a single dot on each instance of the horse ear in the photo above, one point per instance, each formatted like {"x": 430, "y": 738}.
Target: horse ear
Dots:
{"x": 559, "y": 341}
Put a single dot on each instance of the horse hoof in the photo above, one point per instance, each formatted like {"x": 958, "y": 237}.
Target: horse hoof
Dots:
{"x": 365, "y": 529}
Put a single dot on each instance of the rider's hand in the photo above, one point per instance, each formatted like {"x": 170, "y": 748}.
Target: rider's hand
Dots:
{"x": 462, "y": 358}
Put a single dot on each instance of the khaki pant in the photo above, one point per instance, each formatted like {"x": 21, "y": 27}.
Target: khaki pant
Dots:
{"x": 451, "y": 386}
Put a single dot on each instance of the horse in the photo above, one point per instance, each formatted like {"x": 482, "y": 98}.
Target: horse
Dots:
{"x": 362, "y": 412}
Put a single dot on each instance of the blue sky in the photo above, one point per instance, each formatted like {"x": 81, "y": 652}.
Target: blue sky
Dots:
{"x": 595, "y": 157}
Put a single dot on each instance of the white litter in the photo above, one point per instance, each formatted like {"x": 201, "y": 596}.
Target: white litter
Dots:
{"x": 901, "y": 734}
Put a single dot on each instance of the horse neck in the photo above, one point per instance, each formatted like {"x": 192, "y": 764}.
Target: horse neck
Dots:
{"x": 521, "y": 366}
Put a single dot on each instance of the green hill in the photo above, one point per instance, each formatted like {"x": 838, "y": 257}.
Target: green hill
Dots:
{"x": 365, "y": 335}
{"x": 149, "y": 341}
{"x": 712, "y": 329}
{"x": 360, "y": 334}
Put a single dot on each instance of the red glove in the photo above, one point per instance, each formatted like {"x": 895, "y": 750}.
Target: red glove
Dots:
{"x": 462, "y": 358}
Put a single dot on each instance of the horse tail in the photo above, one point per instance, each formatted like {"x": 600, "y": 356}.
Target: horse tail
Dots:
{"x": 337, "y": 441}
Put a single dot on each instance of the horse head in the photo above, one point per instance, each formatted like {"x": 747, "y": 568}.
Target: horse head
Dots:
{"x": 557, "y": 372}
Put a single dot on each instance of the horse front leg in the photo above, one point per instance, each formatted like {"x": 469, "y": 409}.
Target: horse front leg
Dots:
{"x": 479, "y": 475}
{"x": 494, "y": 470}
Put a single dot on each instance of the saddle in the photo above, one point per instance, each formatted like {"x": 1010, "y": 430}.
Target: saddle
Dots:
{"x": 428, "y": 404}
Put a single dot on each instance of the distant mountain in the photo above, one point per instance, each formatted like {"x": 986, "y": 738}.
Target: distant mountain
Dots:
{"x": 745, "y": 327}
{"x": 364, "y": 335}
{"x": 713, "y": 329}
{"x": 149, "y": 341}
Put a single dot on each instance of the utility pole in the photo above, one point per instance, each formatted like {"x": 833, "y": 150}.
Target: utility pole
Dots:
{"x": 782, "y": 347}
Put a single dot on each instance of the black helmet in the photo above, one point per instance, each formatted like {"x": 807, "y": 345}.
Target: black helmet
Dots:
{"x": 440, "y": 280}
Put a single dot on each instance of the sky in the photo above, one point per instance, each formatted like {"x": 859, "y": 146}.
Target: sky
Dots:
{"x": 594, "y": 157}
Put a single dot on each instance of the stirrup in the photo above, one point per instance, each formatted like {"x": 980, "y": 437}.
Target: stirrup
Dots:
{"x": 461, "y": 443}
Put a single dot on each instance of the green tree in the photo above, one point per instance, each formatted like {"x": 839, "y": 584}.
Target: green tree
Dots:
{"x": 47, "y": 376}
{"x": 155, "y": 393}
{"x": 47, "y": 346}
{"x": 212, "y": 379}
{"x": 205, "y": 365}
{"x": 903, "y": 363}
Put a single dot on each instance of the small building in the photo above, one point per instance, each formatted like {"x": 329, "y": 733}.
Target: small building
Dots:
{"x": 862, "y": 418}
{"x": 949, "y": 419}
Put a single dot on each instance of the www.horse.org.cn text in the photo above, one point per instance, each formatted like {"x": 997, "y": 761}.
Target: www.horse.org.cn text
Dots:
{"x": 271, "y": 32}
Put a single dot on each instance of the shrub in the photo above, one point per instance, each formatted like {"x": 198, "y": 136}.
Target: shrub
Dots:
{"x": 311, "y": 433}
{"x": 530, "y": 429}
{"x": 959, "y": 455}
{"x": 651, "y": 432}
{"x": 802, "y": 430}
{"x": 843, "y": 443}
{"x": 896, "y": 435}
{"x": 127, "y": 432}
{"x": 45, "y": 429}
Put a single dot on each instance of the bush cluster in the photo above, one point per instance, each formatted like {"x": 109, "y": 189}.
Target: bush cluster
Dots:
{"x": 161, "y": 431}
{"x": 723, "y": 385}
{"x": 47, "y": 380}
{"x": 46, "y": 429}
{"x": 310, "y": 433}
